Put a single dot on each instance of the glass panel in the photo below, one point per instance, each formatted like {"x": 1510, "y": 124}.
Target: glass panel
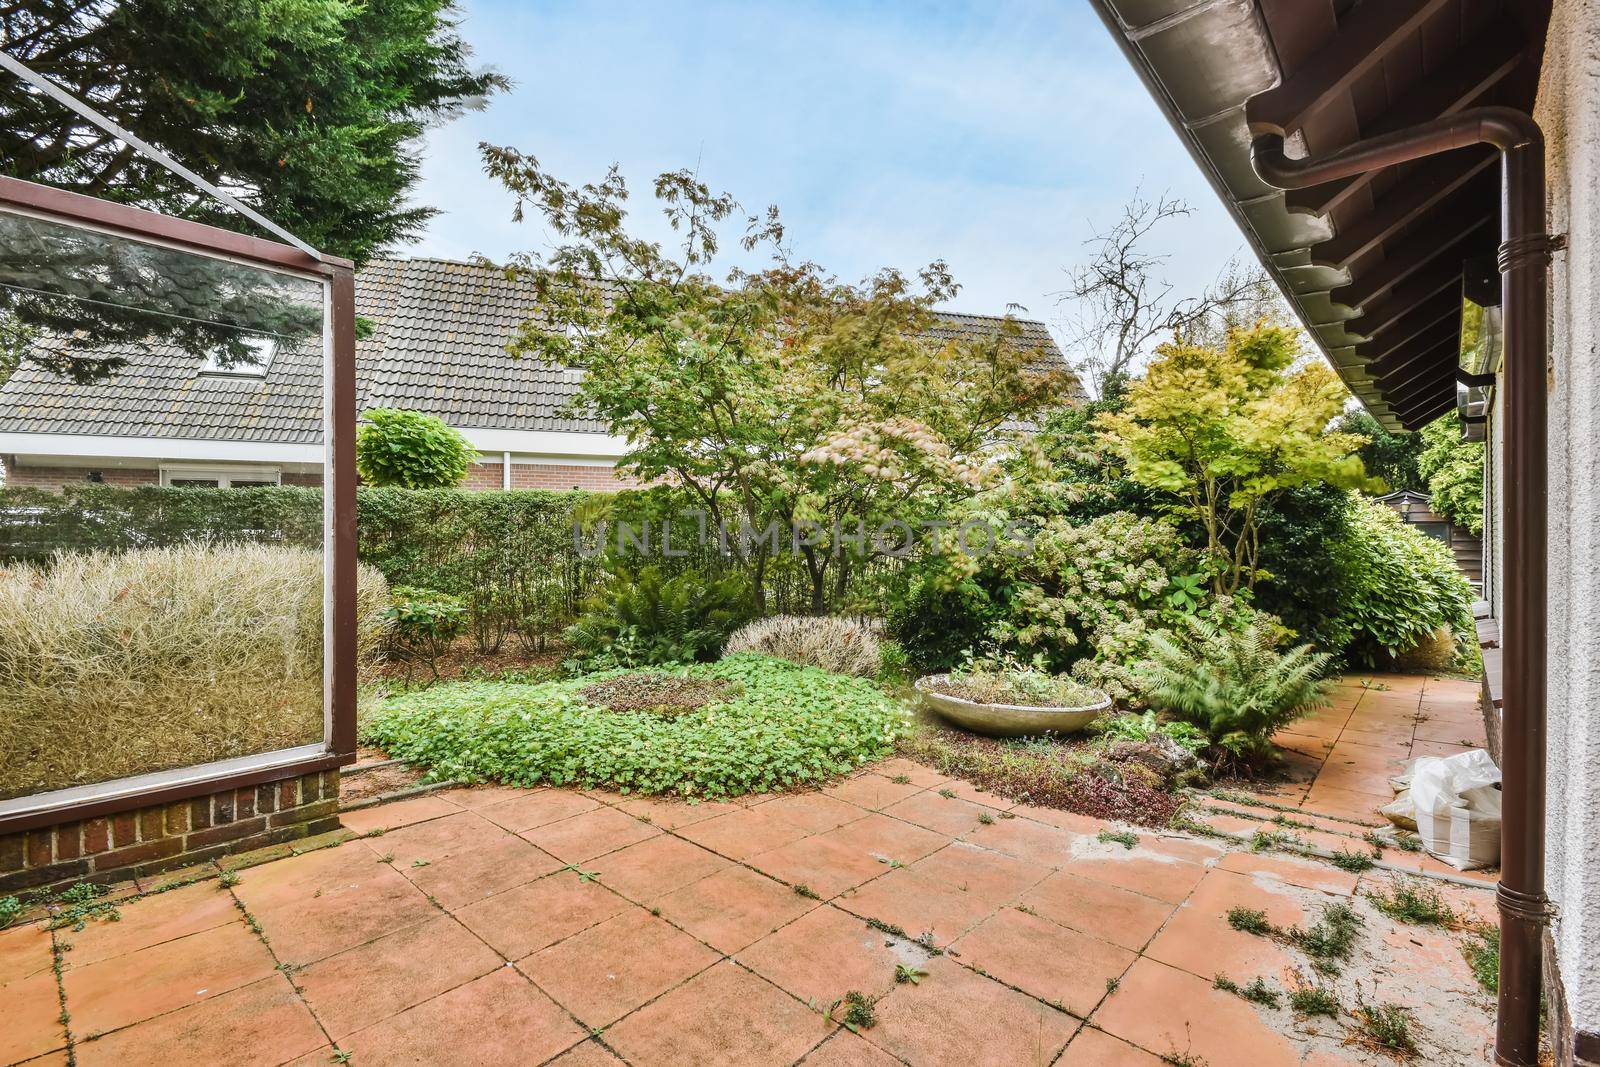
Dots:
{"x": 146, "y": 627}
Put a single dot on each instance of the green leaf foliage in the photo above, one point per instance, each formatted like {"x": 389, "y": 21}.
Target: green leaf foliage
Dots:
{"x": 411, "y": 450}
{"x": 312, "y": 111}
{"x": 788, "y": 726}
{"x": 1233, "y": 683}
{"x": 1453, "y": 469}
{"x": 646, "y": 617}
{"x": 1401, "y": 586}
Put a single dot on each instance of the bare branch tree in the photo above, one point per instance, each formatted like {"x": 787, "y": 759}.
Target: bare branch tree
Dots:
{"x": 1120, "y": 303}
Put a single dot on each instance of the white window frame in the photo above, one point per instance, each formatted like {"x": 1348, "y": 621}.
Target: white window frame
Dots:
{"x": 224, "y": 476}
{"x": 264, "y": 346}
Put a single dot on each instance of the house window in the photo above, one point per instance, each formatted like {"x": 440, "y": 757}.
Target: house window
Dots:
{"x": 220, "y": 477}
{"x": 260, "y": 348}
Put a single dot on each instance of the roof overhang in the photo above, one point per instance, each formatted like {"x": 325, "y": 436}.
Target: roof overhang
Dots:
{"x": 1372, "y": 266}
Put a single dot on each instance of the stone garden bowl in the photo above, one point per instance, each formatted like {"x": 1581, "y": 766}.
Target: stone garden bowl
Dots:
{"x": 1008, "y": 720}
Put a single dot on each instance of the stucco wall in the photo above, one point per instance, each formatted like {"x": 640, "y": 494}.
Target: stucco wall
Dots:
{"x": 1569, "y": 110}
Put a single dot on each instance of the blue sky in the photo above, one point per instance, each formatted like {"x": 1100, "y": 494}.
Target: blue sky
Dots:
{"x": 991, "y": 134}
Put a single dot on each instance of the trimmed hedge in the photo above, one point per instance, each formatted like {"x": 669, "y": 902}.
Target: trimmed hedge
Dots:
{"x": 511, "y": 556}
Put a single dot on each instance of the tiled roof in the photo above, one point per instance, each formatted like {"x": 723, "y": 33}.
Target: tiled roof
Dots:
{"x": 437, "y": 345}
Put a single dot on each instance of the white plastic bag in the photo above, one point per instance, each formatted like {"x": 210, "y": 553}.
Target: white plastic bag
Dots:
{"x": 1456, "y": 803}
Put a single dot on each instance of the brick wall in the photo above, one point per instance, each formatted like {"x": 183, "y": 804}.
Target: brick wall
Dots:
{"x": 159, "y": 838}
{"x": 547, "y": 476}
{"x": 56, "y": 477}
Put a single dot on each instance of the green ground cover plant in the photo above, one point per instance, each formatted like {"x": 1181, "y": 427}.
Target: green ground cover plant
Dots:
{"x": 788, "y": 726}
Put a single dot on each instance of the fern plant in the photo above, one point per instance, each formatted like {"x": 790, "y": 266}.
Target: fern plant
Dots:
{"x": 1233, "y": 683}
{"x": 646, "y": 619}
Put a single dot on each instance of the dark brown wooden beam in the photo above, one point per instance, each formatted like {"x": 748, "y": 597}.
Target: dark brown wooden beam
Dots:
{"x": 1388, "y": 354}
{"x": 1427, "y": 414}
{"x": 1365, "y": 37}
{"x": 1434, "y": 239}
{"x": 1429, "y": 284}
{"x": 1407, "y": 397}
{"x": 1420, "y": 365}
{"x": 1445, "y": 307}
{"x": 1425, "y": 188}
{"x": 1486, "y": 61}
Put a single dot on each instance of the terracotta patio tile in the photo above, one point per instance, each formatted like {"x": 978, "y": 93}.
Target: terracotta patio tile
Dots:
{"x": 813, "y": 812}
{"x": 1470, "y": 734}
{"x": 1049, "y": 846}
{"x": 820, "y": 863}
{"x": 259, "y": 1024}
{"x": 669, "y": 813}
{"x": 654, "y": 868}
{"x": 49, "y": 1059}
{"x": 888, "y": 839}
{"x": 436, "y": 839}
{"x": 371, "y": 982}
{"x": 1058, "y": 965}
{"x": 1198, "y": 938}
{"x": 825, "y": 953}
{"x": 152, "y": 920}
{"x": 1306, "y": 873}
{"x": 457, "y": 880}
{"x": 608, "y": 970}
{"x": 1439, "y": 749}
{"x": 724, "y": 1015}
{"x": 399, "y": 813}
{"x": 1063, "y": 820}
{"x": 743, "y": 833}
{"x": 950, "y": 816}
{"x": 968, "y": 791}
{"x": 494, "y": 1020}
{"x": 1105, "y": 911}
{"x": 1140, "y": 870}
{"x": 589, "y": 1054}
{"x": 308, "y": 929}
{"x": 993, "y": 877}
{"x": 870, "y": 790}
{"x": 594, "y": 833}
{"x": 956, "y": 1017}
{"x": 26, "y": 951}
{"x": 33, "y": 1018}
{"x": 528, "y": 918}
{"x": 1094, "y": 1048}
{"x": 900, "y": 767}
{"x": 918, "y": 904}
{"x": 536, "y": 809}
{"x": 170, "y": 975}
{"x": 1349, "y": 804}
{"x": 1171, "y": 1013}
{"x": 845, "y": 1049}
{"x": 733, "y": 908}
{"x": 299, "y": 879}
{"x": 481, "y": 796}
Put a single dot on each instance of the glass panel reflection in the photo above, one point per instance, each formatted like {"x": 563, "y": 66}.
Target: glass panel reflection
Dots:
{"x": 161, "y": 560}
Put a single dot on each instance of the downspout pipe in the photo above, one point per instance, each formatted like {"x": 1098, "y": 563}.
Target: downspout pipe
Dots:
{"x": 1525, "y": 262}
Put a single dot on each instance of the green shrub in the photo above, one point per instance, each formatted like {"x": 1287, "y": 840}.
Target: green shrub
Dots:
{"x": 1402, "y": 586}
{"x": 1453, "y": 469}
{"x": 1302, "y": 534}
{"x": 840, "y": 645}
{"x": 1146, "y": 727}
{"x": 789, "y": 726}
{"x": 1233, "y": 683}
{"x": 939, "y": 616}
{"x": 119, "y": 663}
{"x": 424, "y": 623}
{"x": 642, "y": 618}
{"x": 411, "y": 450}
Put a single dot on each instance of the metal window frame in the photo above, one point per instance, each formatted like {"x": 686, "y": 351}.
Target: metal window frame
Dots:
{"x": 338, "y": 745}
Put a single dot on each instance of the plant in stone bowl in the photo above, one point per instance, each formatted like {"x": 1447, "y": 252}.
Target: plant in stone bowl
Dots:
{"x": 1004, "y": 697}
